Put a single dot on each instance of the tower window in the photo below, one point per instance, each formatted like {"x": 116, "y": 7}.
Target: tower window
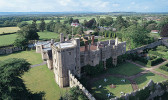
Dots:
{"x": 69, "y": 53}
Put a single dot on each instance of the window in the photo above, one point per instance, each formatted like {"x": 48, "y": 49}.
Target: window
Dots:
{"x": 69, "y": 53}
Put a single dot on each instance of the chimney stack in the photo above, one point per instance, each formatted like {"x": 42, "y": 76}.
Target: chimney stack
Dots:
{"x": 86, "y": 45}
{"x": 61, "y": 37}
{"x": 92, "y": 39}
{"x": 42, "y": 46}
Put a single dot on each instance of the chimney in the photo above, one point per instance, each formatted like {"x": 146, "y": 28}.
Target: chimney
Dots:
{"x": 52, "y": 41}
{"x": 61, "y": 37}
{"x": 86, "y": 45}
{"x": 92, "y": 39}
{"x": 42, "y": 46}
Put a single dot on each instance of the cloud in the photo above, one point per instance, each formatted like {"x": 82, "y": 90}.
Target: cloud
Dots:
{"x": 82, "y": 5}
{"x": 115, "y": 5}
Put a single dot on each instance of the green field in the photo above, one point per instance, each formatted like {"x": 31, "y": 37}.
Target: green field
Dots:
{"x": 31, "y": 56}
{"x": 125, "y": 69}
{"x": 8, "y": 29}
{"x": 101, "y": 93}
{"x": 41, "y": 79}
{"x": 46, "y": 21}
{"x": 143, "y": 80}
{"x": 7, "y": 39}
{"x": 48, "y": 35}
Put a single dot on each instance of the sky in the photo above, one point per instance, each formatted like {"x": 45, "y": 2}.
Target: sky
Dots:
{"x": 84, "y": 5}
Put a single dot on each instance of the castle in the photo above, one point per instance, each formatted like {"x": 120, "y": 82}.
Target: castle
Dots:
{"x": 69, "y": 55}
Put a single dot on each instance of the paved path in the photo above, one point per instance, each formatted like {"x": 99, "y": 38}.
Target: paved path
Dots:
{"x": 38, "y": 64}
{"x": 152, "y": 69}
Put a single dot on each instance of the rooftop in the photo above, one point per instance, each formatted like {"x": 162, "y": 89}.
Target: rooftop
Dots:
{"x": 63, "y": 45}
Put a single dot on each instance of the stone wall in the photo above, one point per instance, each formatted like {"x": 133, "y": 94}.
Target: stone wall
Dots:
{"x": 158, "y": 92}
{"x": 74, "y": 82}
{"x": 9, "y": 50}
{"x": 149, "y": 46}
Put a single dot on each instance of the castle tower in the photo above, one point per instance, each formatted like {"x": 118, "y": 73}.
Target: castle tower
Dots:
{"x": 66, "y": 56}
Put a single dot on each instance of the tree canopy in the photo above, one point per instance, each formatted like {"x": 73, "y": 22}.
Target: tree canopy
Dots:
{"x": 12, "y": 86}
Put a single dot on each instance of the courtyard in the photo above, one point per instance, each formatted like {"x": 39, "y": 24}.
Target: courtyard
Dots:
{"x": 126, "y": 77}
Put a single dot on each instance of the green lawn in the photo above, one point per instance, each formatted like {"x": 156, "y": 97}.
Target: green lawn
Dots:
{"x": 140, "y": 63}
{"x": 101, "y": 93}
{"x": 31, "y": 56}
{"x": 143, "y": 80}
{"x": 7, "y": 39}
{"x": 48, "y": 35}
{"x": 125, "y": 69}
{"x": 162, "y": 71}
{"x": 8, "y": 29}
{"x": 41, "y": 79}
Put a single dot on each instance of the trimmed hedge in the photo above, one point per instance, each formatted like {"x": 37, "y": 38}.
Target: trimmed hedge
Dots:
{"x": 165, "y": 68}
{"x": 155, "y": 61}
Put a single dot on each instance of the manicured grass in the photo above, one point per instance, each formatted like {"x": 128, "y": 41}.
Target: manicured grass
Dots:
{"x": 162, "y": 71}
{"x": 31, "y": 56}
{"x": 7, "y": 39}
{"x": 8, "y": 29}
{"x": 140, "y": 63}
{"x": 125, "y": 69}
{"x": 101, "y": 93}
{"x": 41, "y": 79}
{"x": 143, "y": 80}
{"x": 48, "y": 35}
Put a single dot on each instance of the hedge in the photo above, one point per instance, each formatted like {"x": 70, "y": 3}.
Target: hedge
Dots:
{"x": 165, "y": 68}
{"x": 154, "y": 61}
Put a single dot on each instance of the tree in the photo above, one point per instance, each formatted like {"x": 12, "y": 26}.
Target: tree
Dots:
{"x": 28, "y": 32}
{"x": 120, "y": 23}
{"x": 21, "y": 42}
{"x": 134, "y": 36}
{"x": 22, "y": 24}
{"x": 70, "y": 20}
{"x": 74, "y": 94}
{"x": 109, "y": 21}
{"x": 12, "y": 86}
{"x": 164, "y": 31}
{"x": 42, "y": 25}
{"x": 109, "y": 35}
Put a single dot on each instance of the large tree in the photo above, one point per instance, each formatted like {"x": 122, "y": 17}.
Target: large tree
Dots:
{"x": 42, "y": 25}
{"x": 29, "y": 32}
{"x": 12, "y": 86}
{"x": 135, "y": 36}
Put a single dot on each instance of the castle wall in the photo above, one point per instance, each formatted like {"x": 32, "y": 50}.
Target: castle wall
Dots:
{"x": 149, "y": 46}
{"x": 73, "y": 82}
{"x": 9, "y": 50}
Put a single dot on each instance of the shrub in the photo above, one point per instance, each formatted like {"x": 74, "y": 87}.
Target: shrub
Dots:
{"x": 154, "y": 61}
{"x": 94, "y": 70}
{"x": 165, "y": 68}
{"x": 161, "y": 48}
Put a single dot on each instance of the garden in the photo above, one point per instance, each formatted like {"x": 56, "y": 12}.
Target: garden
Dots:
{"x": 113, "y": 85}
{"x": 151, "y": 57}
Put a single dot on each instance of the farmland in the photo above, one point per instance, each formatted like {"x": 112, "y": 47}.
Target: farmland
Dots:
{"x": 8, "y": 29}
